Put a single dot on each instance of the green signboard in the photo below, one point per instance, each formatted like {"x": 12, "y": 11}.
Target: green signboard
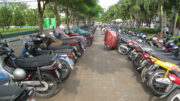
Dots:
{"x": 53, "y": 22}
{"x": 46, "y": 23}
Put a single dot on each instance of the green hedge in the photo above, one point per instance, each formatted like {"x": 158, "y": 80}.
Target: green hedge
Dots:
{"x": 4, "y": 36}
{"x": 146, "y": 30}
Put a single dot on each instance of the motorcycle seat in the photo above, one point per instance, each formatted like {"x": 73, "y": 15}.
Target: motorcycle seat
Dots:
{"x": 10, "y": 92}
{"x": 168, "y": 59}
{"x": 70, "y": 38}
{"x": 85, "y": 34}
{"x": 34, "y": 62}
{"x": 59, "y": 47}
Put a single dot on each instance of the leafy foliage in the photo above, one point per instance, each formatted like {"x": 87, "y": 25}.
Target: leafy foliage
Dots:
{"x": 18, "y": 18}
{"x": 5, "y": 17}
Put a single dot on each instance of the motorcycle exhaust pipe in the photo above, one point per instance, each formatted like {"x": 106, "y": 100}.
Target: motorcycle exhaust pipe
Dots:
{"x": 164, "y": 81}
{"x": 35, "y": 84}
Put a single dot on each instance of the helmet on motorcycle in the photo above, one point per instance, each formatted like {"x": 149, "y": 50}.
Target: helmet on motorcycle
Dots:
{"x": 19, "y": 74}
{"x": 144, "y": 36}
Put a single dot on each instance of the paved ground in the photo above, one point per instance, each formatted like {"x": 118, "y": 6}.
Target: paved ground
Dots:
{"x": 103, "y": 76}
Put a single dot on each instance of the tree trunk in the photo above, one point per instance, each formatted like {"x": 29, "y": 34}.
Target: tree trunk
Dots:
{"x": 40, "y": 17}
{"x": 41, "y": 12}
{"x": 175, "y": 23}
{"x": 135, "y": 19}
{"x": 67, "y": 14}
{"x": 165, "y": 22}
{"x": 162, "y": 19}
{"x": 41, "y": 23}
{"x": 56, "y": 13}
{"x": 87, "y": 19}
{"x": 71, "y": 17}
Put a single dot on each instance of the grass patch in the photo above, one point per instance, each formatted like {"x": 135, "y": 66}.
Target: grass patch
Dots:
{"x": 16, "y": 30}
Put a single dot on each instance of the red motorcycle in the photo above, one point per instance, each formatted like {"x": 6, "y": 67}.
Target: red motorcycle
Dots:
{"x": 89, "y": 37}
{"x": 110, "y": 40}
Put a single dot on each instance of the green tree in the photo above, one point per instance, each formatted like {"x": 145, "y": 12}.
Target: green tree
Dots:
{"x": 18, "y": 5}
{"x": 18, "y": 18}
{"x": 31, "y": 17}
{"x": 5, "y": 17}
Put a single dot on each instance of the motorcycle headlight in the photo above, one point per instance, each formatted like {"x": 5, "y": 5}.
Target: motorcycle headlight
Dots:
{"x": 143, "y": 36}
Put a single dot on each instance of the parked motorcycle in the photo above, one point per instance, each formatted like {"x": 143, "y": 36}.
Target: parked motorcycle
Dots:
{"x": 66, "y": 64}
{"x": 35, "y": 72}
{"x": 59, "y": 34}
{"x": 81, "y": 32}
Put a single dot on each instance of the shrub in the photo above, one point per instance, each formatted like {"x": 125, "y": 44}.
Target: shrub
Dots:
{"x": 146, "y": 30}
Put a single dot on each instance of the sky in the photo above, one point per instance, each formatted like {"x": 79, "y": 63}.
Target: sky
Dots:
{"x": 104, "y": 3}
{"x": 107, "y": 3}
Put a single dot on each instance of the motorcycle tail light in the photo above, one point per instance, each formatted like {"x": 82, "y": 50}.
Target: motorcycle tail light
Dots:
{"x": 153, "y": 60}
{"x": 70, "y": 56}
{"x": 91, "y": 36}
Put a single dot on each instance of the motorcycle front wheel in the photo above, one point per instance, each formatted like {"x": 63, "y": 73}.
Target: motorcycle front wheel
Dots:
{"x": 129, "y": 55}
{"x": 89, "y": 42}
{"x": 64, "y": 71}
{"x": 144, "y": 73}
{"x": 107, "y": 47}
{"x": 158, "y": 89}
{"x": 175, "y": 96}
{"x": 137, "y": 61}
{"x": 121, "y": 50}
{"x": 52, "y": 85}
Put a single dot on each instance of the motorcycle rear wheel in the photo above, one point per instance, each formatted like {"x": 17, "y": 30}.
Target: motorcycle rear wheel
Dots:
{"x": 121, "y": 51}
{"x": 136, "y": 62}
{"x": 144, "y": 76}
{"x": 52, "y": 85}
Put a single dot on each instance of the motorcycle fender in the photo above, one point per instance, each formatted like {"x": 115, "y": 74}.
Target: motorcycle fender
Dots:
{"x": 68, "y": 61}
